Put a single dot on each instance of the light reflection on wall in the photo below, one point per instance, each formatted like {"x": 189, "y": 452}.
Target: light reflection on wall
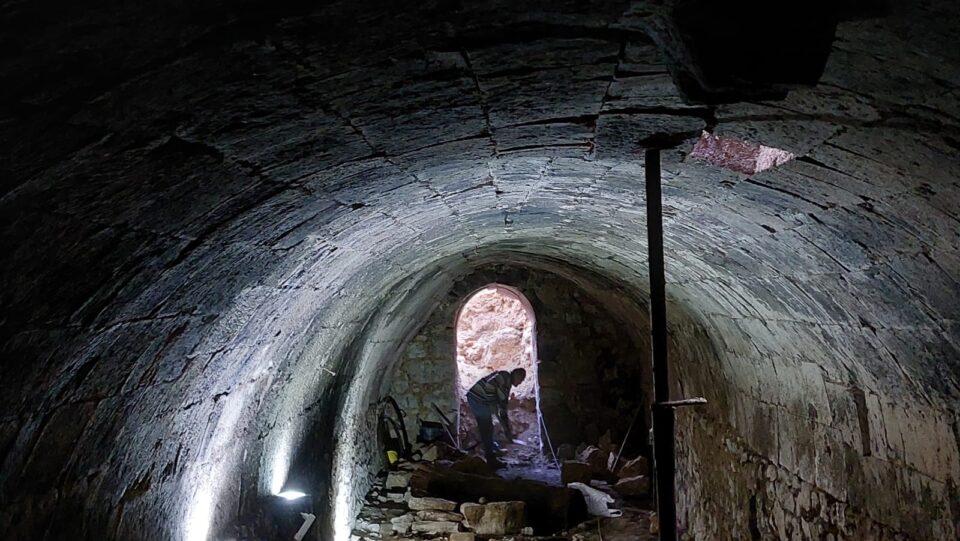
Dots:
{"x": 279, "y": 460}
{"x": 219, "y": 458}
{"x": 200, "y": 512}
{"x": 345, "y": 467}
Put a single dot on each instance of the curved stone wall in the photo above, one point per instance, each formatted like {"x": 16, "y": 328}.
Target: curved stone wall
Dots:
{"x": 220, "y": 227}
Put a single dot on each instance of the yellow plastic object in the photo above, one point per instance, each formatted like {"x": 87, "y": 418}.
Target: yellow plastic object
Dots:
{"x": 392, "y": 457}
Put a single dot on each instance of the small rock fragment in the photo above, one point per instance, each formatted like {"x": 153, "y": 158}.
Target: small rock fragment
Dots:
{"x": 430, "y": 453}
{"x": 463, "y": 536}
{"x": 398, "y": 479}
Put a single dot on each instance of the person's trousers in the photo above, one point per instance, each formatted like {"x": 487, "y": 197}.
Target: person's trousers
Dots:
{"x": 484, "y": 415}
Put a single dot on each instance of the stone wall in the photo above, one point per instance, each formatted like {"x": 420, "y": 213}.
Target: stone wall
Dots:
{"x": 592, "y": 358}
{"x": 427, "y": 375}
{"x": 792, "y": 446}
{"x": 204, "y": 209}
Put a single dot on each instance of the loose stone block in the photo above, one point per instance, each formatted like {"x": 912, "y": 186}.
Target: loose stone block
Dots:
{"x": 403, "y": 519}
{"x": 365, "y": 526}
{"x": 596, "y": 458}
{"x": 398, "y": 479}
{"x": 430, "y": 454}
{"x": 435, "y": 527}
{"x": 633, "y": 486}
{"x": 633, "y": 468}
{"x": 397, "y": 497}
{"x": 494, "y": 518}
{"x": 424, "y": 504}
{"x": 575, "y": 472}
{"x": 471, "y": 512}
{"x": 432, "y": 515}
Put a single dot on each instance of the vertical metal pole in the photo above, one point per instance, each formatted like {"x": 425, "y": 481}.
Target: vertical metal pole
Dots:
{"x": 662, "y": 415}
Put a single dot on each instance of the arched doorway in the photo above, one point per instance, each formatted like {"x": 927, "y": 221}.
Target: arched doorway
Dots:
{"x": 496, "y": 330}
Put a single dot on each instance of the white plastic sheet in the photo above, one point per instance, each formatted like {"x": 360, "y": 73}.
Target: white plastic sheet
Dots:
{"x": 597, "y": 501}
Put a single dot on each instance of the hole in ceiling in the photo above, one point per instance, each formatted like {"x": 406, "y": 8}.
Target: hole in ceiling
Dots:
{"x": 736, "y": 155}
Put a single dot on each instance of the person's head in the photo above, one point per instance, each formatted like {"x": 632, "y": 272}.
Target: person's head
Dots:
{"x": 517, "y": 375}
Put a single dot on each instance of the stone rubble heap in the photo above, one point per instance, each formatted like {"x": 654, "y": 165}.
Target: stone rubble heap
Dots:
{"x": 391, "y": 512}
{"x": 630, "y": 478}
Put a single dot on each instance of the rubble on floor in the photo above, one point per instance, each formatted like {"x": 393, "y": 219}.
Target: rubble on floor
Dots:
{"x": 494, "y": 518}
{"x": 400, "y": 508}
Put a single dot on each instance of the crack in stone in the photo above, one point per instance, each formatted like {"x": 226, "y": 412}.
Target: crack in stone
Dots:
{"x": 750, "y": 180}
{"x": 532, "y": 31}
{"x": 485, "y": 110}
{"x": 212, "y": 228}
{"x": 822, "y": 250}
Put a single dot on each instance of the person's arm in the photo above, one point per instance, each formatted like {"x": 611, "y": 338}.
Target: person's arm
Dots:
{"x": 505, "y": 419}
{"x": 503, "y": 392}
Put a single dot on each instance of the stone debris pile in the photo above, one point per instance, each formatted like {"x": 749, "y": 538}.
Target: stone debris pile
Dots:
{"x": 589, "y": 463}
{"x": 403, "y": 506}
{"x": 392, "y": 512}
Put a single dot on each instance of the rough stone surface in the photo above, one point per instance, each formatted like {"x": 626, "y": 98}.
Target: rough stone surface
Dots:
{"x": 575, "y": 472}
{"x": 431, "y": 515}
{"x": 474, "y": 465}
{"x": 633, "y": 486}
{"x": 434, "y": 527}
{"x": 472, "y": 512}
{"x": 407, "y": 518}
{"x": 431, "y": 504}
{"x": 221, "y": 224}
{"x": 632, "y": 468}
{"x": 398, "y": 479}
{"x": 462, "y": 536}
{"x": 494, "y": 518}
{"x": 596, "y": 459}
{"x": 430, "y": 453}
